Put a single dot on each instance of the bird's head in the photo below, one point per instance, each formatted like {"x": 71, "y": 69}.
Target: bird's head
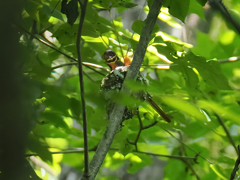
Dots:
{"x": 110, "y": 56}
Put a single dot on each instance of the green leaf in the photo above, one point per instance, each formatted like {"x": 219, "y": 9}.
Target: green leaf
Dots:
{"x": 71, "y": 10}
{"x": 126, "y": 148}
{"x": 202, "y": 2}
{"x": 55, "y": 119}
{"x": 231, "y": 113}
{"x": 102, "y": 4}
{"x": 125, "y": 4}
{"x": 179, "y": 170}
{"x": 220, "y": 171}
{"x": 32, "y": 7}
{"x": 196, "y": 8}
{"x": 137, "y": 27}
{"x": 40, "y": 71}
{"x": 133, "y": 43}
{"x": 178, "y": 8}
{"x": 205, "y": 45}
{"x": 166, "y": 50}
{"x": 49, "y": 130}
{"x": 56, "y": 100}
{"x": 209, "y": 70}
{"x": 188, "y": 74}
{"x": 75, "y": 107}
{"x": 52, "y": 12}
{"x": 91, "y": 13}
{"x": 36, "y": 146}
{"x": 138, "y": 161}
{"x": 185, "y": 107}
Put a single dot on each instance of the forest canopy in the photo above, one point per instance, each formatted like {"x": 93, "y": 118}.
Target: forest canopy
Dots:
{"x": 191, "y": 66}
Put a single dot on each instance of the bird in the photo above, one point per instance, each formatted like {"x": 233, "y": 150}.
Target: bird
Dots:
{"x": 114, "y": 81}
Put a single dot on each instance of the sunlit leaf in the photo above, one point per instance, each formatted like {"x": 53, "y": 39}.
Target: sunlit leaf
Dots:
{"x": 185, "y": 107}
{"x": 230, "y": 114}
{"x": 220, "y": 171}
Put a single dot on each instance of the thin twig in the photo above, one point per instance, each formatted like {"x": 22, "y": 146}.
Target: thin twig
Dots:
{"x": 66, "y": 55}
{"x": 66, "y": 64}
{"x": 85, "y": 64}
{"x": 150, "y": 125}
{"x": 187, "y": 162}
{"x": 141, "y": 128}
{"x": 187, "y": 146}
{"x": 81, "y": 81}
{"x": 55, "y": 6}
{"x": 45, "y": 43}
{"x": 168, "y": 156}
{"x": 139, "y": 132}
{"x": 190, "y": 166}
{"x": 235, "y": 169}
{"x": 220, "y": 120}
{"x": 231, "y": 59}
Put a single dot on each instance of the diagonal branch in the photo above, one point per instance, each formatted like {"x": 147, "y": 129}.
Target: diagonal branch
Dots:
{"x": 220, "y": 120}
{"x": 117, "y": 113}
{"x": 235, "y": 24}
{"x": 235, "y": 169}
{"x": 80, "y": 70}
{"x": 188, "y": 147}
{"x": 88, "y": 65}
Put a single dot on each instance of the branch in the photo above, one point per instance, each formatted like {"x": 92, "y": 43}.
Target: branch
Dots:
{"x": 80, "y": 70}
{"x": 144, "y": 40}
{"x": 139, "y": 132}
{"x": 115, "y": 149}
{"x": 235, "y": 24}
{"x": 231, "y": 59}
{"x": 66, "y": 55}
{"x": 150, "y": 125}
{"x": 141, "y": 128}
{"x": 197, "y": 154}
{"x": 191, "y": 168}
{"x": 220, "y": 120}
{"x": 89, "y": 65}
{"x": 117, "y": 113}
{"x": 223, "y": 9}
{"x": 167, "y": 156}
{"x": 235, "y": 169}
{"x": 187, "y": 162}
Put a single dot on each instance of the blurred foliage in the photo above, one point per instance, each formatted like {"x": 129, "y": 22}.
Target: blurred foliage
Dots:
{"x": 191, "y": 92}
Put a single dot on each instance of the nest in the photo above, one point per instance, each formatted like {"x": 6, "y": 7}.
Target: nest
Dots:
{"x": 112, "y": 83}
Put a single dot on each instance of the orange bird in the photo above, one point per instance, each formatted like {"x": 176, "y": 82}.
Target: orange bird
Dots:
{"x": 113, "y": 61}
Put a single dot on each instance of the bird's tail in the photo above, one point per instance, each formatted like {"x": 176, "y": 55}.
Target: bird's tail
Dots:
{"x": 157, "y": 109}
